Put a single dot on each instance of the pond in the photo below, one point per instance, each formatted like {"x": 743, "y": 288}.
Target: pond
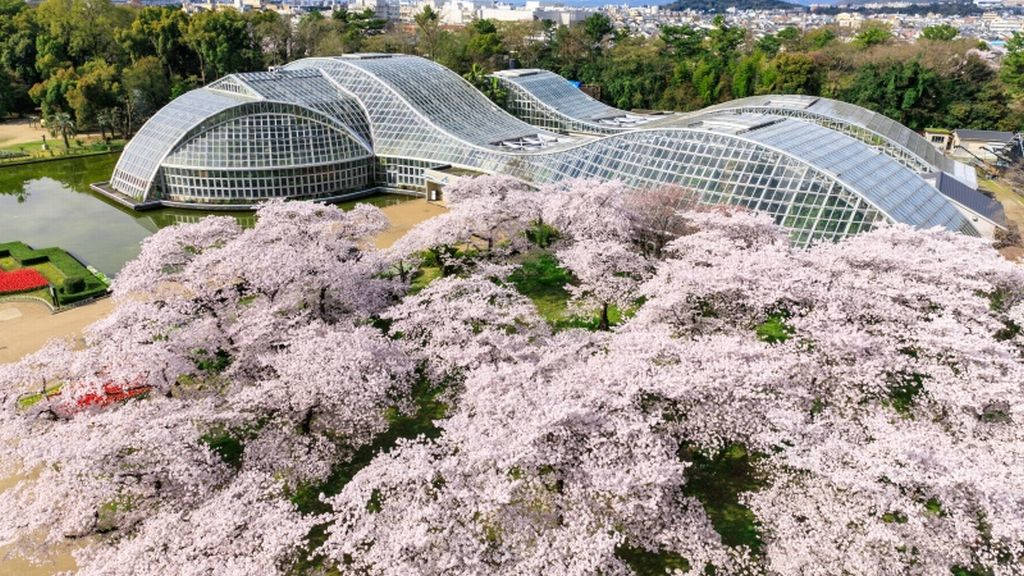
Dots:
{"x": 50, "y": 204}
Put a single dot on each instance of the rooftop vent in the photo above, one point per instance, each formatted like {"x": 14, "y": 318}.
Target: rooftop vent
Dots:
{"x": 795, "y": 101}
{"x": 365, "y": 56}
{"x": 531, "y": 142}
{"x": 737, "y": 123}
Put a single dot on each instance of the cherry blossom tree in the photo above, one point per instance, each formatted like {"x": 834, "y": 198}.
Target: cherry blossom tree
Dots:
{"x": 608, "y": 274}
{"x": 491, "y": 212}
{"x": 230, "y": 352}
{"x": 246, "y": 527}
{"x": 256, "y": 402}
{"x": 457, "y": 324}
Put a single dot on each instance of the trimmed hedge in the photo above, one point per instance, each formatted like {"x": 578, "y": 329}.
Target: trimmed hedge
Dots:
{"x": 74, "y": 284}
{"x": 77, "y": 282}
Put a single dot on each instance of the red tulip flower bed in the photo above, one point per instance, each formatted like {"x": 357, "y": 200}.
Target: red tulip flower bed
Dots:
{"x": 111, "y": 393}
{"x": 21, "y": 280}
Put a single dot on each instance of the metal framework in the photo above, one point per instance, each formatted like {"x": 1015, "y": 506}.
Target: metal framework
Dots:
{"x": 893, "y": 138}
{"x": 546, "y": 99}
{"x": 249, "y": 137}
{"x": 323, "y": 125}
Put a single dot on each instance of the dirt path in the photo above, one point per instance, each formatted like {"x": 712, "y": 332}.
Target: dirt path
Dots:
{"x": 19, "y": 131}
{"x": 403, "y": 217}
{"x": 27, "y": 326}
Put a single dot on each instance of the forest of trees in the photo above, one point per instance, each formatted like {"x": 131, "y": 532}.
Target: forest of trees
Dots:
{"x": 108, "y": 67}
{"x": 530, "y": 383}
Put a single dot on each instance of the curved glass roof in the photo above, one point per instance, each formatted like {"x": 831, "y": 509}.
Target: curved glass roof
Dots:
{"x": 297, "y": 93}
{"x": 413, "y": 113}
{"x": 744, "y": 157}
{"x": 826, "y": 110}
{"x": 399, "y": 91}
{"x": 541, "y": 95}
{"x": 138, "y": 165}
{"x": 256, "y": 135}
{"x": 900, "y": 193}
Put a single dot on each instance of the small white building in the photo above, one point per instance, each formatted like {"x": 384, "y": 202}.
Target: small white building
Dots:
{"x": 940, "y": 138}
{"x": 990, "y": 146}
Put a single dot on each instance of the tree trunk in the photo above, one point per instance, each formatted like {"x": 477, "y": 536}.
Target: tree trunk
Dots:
{"x": 603, "y": 325}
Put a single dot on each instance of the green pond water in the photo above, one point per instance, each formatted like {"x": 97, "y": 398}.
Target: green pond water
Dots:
{"x": 50, "y": 204}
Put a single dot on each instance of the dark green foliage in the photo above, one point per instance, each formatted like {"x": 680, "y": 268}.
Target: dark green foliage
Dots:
{"x": 648, "y": 563}
{"x": 904, "y": 391}
{"x": 108, "y": 66}
{"x": 717, "y": 483}
{"x": 448, "y": 259}
{"x": 74, "y": 284}
{"x": 597, "y": 26}
{"x": 940, "y": 32}
{"x": 904, "y": 91}
{"x": 774, "y": 329}
{"x": 933, "y": 506}
{"x": 211, "y": 363}
{"x": 226, "y": 445}
{"x": 872, "y": 35}
{"x": 894, "y": 517}
{"x": 962, "y": 571}
{"x": 997, "y": 302}
{"x": 1009, "y": 331}
{"x": 375, "y": 504}
{"x": 541, "y": 275}
{"x": 543, "y": 281}
{"x": 429, "y": 407}
{"x": 541, "y": 234}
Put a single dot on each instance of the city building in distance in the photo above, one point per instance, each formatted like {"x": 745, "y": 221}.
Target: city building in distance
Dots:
{"x": 331, "y": 128}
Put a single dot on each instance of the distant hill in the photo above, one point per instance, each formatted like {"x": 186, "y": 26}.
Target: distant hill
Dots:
{"x": 721, "y": 5}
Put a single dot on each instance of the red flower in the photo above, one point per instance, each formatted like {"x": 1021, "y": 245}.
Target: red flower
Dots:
{"x": 111, "y": 393}
{"x": 21, "y": 280}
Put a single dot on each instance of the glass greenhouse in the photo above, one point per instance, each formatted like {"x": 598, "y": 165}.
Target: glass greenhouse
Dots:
{"x": 327, "y": 127}
{"x": 548, "y": 100}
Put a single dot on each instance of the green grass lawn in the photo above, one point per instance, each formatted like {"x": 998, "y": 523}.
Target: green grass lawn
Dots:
{"x": 57, "y": 266}
{"x": 56, "y": 149}
{"x": 717, "y": 483}
{"x": 423, "y": 277}
{"x": 541, "y": 279}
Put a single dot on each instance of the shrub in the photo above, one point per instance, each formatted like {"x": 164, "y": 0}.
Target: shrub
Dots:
{"x": 32, "y": 260}
{"x": 74, "y": 285}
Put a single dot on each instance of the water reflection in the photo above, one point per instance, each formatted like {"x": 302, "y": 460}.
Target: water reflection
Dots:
{"x": 51, "y": 204}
